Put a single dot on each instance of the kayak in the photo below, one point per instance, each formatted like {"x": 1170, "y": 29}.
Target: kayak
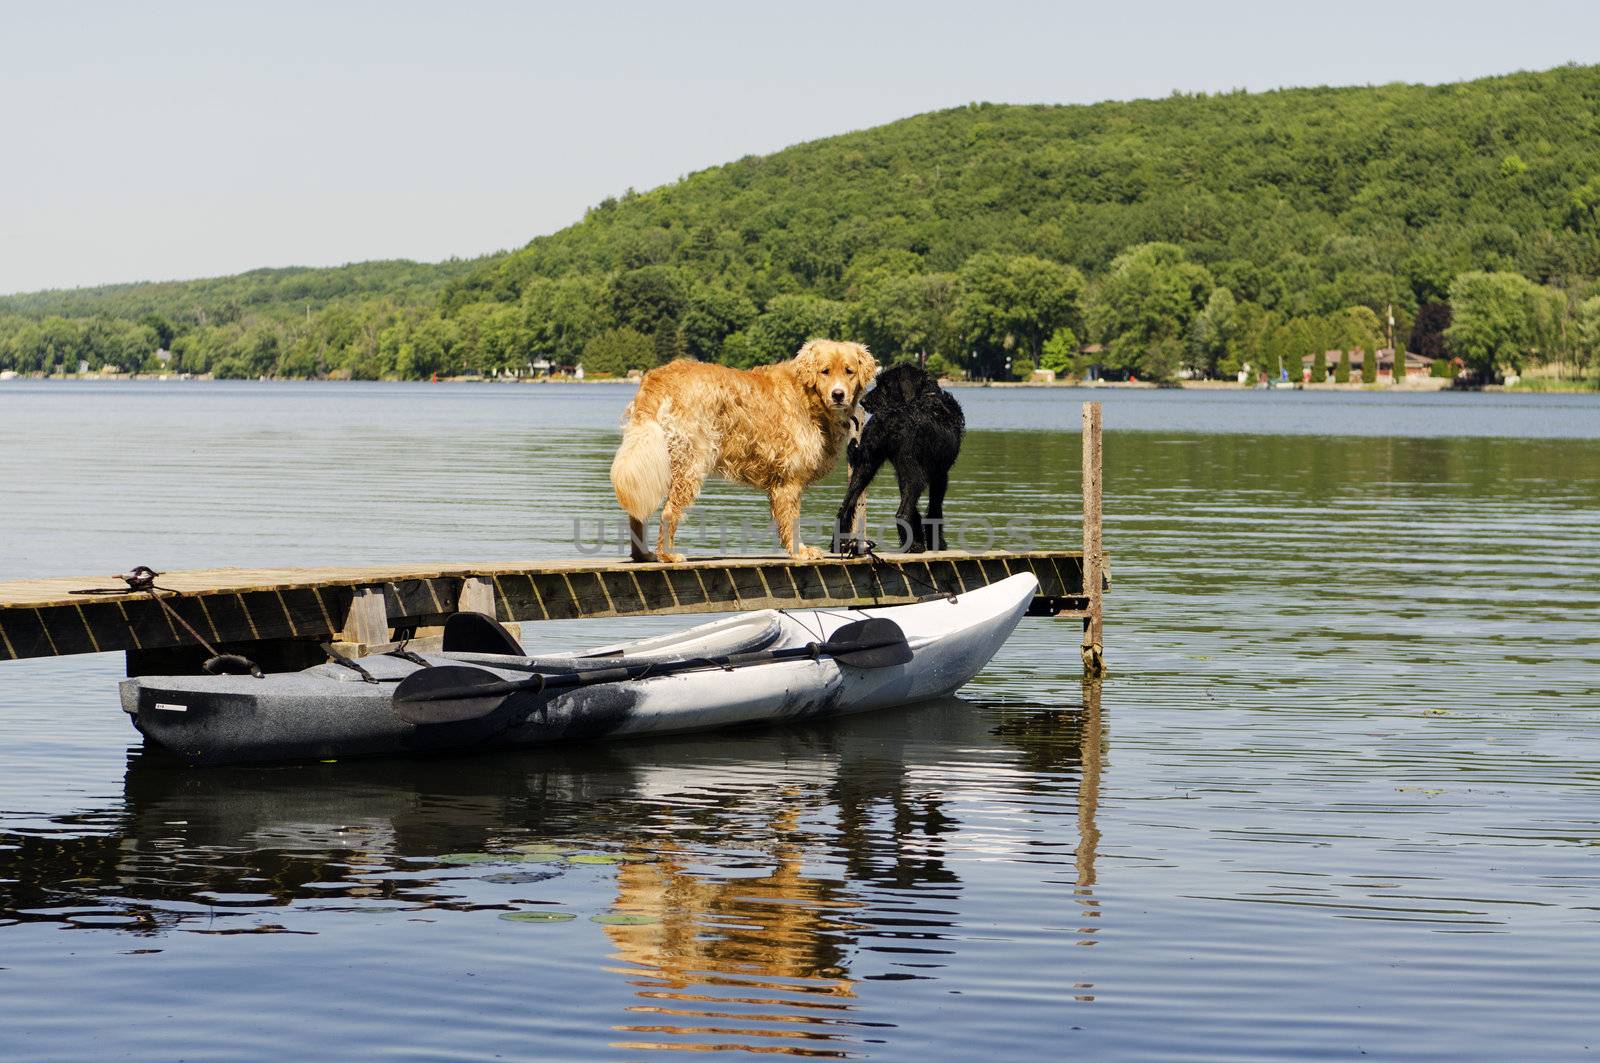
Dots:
{"x": 482, "y": 692}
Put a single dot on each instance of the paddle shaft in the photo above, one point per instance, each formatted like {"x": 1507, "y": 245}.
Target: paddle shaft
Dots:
{"x": 568, "y": 680}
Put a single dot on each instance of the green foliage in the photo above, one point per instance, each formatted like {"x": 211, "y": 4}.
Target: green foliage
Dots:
{"x": 1009, "y": 305}
{"x": 1587, "y": 347}
{"x": 1495, "y": 320}
{"x": 1061, "y": 352}
{"x": 711, "y": 315}
{"x": 901, "y": 316}
{"x": 1341, "y": 375}
{"x": 939, "y": 366}
{"x": 789, "y": 321}
{"x": 974, "y": 234}
{"x": 1022, "y": 368}
{"x": 1149, "y": 300}
{"x": 668, "y": 342}
{"x": 1213, "y": 337}
{"x": 617, "y": 350}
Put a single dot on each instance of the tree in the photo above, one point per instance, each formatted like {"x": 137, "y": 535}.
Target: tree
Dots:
{"x": 1061, "y": 353}
{"x": 668, "y": 342}
{"x": 1212, "y": 335}
{"x": 560, "y": 315}
{"x": 1151, "y": 295}
{"x": 1493, "y": 321}
{"x": 160, "y": 326}
{"x": 642, "y": 298}
{"x": 617, "y": 350}
{"x": 788, "y": 322}
{"x": 1358, "y": 326}
{"x": 1012, "y": 304}
{"x": 1428, "y": 331}
{"x": 1341, "y": 375}
{"x": 1587, "y": 328}
{"x": 712, "y": 314}
{"x": 902, "y": 316}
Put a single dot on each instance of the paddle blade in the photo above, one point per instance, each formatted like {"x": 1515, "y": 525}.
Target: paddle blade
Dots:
{"x": 877, "y": 642}
{"x": 448, "y": 694}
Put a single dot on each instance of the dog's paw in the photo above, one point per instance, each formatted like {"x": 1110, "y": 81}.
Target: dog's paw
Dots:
{"x": 916, "y": 548}
{"x": 807, "y": 553}
{"x": 668, "y": 556}
{"x": 851, "y": 547}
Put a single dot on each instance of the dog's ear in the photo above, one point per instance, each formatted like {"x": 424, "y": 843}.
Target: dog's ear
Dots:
{"x": 910, "y": 383}
{"x": 807, "y": 363}
{"x": 866, "y": 365}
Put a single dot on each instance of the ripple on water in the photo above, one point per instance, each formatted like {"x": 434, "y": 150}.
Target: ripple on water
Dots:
{"x": 1335, "y": 797}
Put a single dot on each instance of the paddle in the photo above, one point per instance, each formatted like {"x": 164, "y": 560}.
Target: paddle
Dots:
{"x": 452, "y": 693}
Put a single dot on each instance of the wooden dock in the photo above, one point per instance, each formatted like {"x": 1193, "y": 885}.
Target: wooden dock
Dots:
{"x": 284, "y": 618}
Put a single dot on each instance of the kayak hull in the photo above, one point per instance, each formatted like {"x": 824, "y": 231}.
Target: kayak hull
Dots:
{"x": 331, "y": 712}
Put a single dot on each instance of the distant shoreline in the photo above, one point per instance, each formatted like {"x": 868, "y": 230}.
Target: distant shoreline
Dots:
{"x": 1424, "y": 386}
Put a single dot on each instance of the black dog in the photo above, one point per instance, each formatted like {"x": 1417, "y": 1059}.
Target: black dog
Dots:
{"x": 916, "y": 427}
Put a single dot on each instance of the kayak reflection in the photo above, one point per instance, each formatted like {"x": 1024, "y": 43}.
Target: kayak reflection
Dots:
{"x": 765, "y": 860}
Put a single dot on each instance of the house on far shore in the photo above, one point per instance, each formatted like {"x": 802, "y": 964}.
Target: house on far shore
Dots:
{"x": 1417, "y": 365}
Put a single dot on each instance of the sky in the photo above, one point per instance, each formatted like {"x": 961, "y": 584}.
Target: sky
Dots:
{"x": 156, "y": 141}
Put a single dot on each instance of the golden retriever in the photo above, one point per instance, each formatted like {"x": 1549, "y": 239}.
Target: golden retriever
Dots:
{"x": 779, "y": 428}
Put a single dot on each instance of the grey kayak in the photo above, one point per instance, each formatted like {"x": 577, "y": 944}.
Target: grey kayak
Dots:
{"x": 332, "y": 711}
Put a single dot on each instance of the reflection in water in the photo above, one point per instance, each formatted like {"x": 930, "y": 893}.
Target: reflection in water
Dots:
{"x": 742, "y": 877}
{"x": 1354, "y": 682}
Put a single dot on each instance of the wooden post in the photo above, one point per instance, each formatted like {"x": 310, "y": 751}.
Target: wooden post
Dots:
{"x": 1093, "y": 554}
{"x": 367, "y": 623}
{"x": 477, "y": 596}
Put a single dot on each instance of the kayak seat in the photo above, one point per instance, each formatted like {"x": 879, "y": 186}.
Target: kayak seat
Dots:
{"x": 478, "y": 633}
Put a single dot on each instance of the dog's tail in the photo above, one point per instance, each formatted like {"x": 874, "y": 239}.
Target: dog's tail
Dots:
{"x": 641, "y": 471}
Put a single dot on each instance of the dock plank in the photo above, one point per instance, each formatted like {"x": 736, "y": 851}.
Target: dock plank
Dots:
{"x": 45, "y": 618}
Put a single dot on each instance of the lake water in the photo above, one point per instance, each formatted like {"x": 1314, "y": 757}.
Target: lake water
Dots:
{"x": 1339, "y": 796}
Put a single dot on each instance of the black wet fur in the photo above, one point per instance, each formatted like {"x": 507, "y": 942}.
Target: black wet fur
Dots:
{"x": 916, "y": 426}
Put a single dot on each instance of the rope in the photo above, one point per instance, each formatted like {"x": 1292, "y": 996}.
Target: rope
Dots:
{"x": 879, "y": 564}
{"x": 143, "y": 580}
{"x": 340, "y": 659}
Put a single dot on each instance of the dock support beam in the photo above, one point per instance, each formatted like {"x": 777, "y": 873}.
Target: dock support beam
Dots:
{"x": 1094, "y": 558}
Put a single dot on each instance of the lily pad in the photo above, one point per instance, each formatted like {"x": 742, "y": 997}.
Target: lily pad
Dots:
{"x": 538, "y": 917}
{"x": 624, "y": 919}
{"x": 608, "y": 858}
{"x": 520, "y": 877}
{"x": 497, "y": 858}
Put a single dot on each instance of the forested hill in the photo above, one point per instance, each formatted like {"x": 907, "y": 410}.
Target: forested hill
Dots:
{"x": 1194, "y": 229}
{"x": 298, "y": 286}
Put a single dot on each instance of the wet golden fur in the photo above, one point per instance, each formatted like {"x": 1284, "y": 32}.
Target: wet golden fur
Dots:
{"x": 779, "y": 428}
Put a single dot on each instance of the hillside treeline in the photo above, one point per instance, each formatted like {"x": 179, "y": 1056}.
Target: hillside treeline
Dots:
{"x": 1190, "y": 233}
